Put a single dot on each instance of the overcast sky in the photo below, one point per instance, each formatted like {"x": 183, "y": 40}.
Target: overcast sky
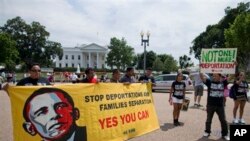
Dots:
{"x": 173, "y": 24}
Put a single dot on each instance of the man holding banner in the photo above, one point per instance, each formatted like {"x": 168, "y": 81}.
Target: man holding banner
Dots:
{"x": 217, "y": 61}
{"x": 50, "y": 112}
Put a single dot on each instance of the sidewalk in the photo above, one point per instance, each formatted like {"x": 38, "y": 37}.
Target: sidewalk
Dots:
{"x": 191, "y": 129}
{"x": 192, "y": 122}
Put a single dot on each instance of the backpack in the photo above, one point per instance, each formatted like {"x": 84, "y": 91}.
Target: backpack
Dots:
{"x": 232, "y": 92}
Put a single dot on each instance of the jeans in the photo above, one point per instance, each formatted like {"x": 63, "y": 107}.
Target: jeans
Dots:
{"x": 221, "y": 114}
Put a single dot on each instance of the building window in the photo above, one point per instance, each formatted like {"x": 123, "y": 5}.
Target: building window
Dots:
{"x": 87, "y": 65}
{"x": 60, "y": 65}
{"x": 66, "y": 57}
{"x": 66, "y": 65}
{"x": 103, "y": 57}
{"x": 79, "y": 57}
{"x": 73, "y": 65}
{"x": 87, "y": 57}
{"x": 73, "y": 57}
{"x": 103, "y": 66}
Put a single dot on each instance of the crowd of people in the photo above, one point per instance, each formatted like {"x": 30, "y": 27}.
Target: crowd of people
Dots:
{"x": 217, "y": 91}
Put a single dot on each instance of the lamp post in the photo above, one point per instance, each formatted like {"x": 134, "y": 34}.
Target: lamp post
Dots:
{"x": 145, "y": 42}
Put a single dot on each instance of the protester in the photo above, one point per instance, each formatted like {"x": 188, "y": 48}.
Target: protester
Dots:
{"x": 34, "y": 77}
{"x": 129, "y": 76}
{"x": 90, "y": 76}
{"x": 198, "y": 88}
{"x": 240, "y": 99}
{"x": 215, "y": 103}
{"x": 115, "y": 76}
{"x": 226, "y": 90}
{"x": 176, "y": 96}
{"x": 147, "y": 77}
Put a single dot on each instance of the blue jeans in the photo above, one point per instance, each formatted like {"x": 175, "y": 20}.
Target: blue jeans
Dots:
{"x": 221, "y": 114}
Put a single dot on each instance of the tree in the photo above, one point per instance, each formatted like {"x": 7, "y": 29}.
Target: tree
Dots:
{"x": 32, "y": 41}
{"x": 158, "y": 64}
{"x": 8, "y": 53}
{"x": 120, "y": 55}
{"x": 150, "y": 58}
{"x": 214, "y": 37}
{"x": 238, "y": 36}
{"x": 170, "y": 64}
{"x": 185, "y": 61}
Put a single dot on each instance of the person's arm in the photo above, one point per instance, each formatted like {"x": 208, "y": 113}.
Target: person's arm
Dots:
{"x": 184, "y": 91}
{"x": 203, "y": 77}
{"x": 239, "y": 81}
{"x": 171, "y": 93}
{"x": 6, "y": 87}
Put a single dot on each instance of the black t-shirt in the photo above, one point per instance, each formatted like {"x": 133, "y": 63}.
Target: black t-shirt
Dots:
{"x": 241, "y": 89}
{"x": 28, "y": 81}
{"x": 215, "y": 92}
{"x": 178, "y": 88}
{"x": 147, "y": 78}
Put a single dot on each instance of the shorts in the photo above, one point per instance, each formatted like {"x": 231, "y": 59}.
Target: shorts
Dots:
{"x": 176, "y": 100}
{"x": 198, "y": 90}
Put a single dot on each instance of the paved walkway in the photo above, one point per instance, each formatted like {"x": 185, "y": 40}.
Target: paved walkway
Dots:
{"x": 192, "y": 121}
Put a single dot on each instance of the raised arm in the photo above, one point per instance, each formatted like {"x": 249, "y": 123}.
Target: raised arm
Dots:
{"x": 203, "y": 77}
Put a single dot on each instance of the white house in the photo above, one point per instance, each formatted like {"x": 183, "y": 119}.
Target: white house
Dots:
{"x": 91, "y": 55}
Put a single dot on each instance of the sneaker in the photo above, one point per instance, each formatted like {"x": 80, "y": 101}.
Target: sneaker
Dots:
{"x": 196, "y": 105}
{"x": 235, "y": 121}
{"x": 227, "y": 138}
{"x": 176, "y": 124}
{"x": 200, "y": 105}
{"x": 242, "y": 121}
{"x": 206, "y": 134}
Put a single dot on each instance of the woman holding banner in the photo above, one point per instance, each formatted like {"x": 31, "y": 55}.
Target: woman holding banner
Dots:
{"x": 176, "y": 96}
{"x": 240, "y": 99}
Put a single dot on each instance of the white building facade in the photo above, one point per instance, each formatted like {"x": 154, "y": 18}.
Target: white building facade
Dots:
{"x": 91, "y": 55}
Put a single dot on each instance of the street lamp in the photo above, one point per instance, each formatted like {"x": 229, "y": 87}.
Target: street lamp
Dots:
{"x": 145, "y": 42}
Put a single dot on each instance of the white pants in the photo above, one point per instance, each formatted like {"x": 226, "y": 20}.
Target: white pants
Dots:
{"x": 176, "y": 100}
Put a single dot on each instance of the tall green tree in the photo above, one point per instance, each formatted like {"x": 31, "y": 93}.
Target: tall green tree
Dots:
{"x": 32, "y": 41}
{"x": 150, "y": 58}
{"x": 8, "y": 51}
{"x": 238, "y": 35}
{"x": 121, "y": 55}
{"x": 158, "y": 64}
{"x": 214, "y": 37}
{"x": 170, "y": 64}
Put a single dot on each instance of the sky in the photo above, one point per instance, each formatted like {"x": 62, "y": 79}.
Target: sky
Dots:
{"x": 173, "y": 24}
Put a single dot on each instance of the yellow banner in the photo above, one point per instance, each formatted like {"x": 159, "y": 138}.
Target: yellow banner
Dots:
{"x": 81, "y": 112}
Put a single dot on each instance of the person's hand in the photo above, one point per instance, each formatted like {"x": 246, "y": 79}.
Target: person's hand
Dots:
{"x": 170, "y": 101}
{"x": 6, "y": 87}
{"x": 126, "y": 83}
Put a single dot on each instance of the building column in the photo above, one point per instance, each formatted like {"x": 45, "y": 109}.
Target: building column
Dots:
{"x": 97, "y": 60}
{"x": 104, "y": 61}
{"x": 90, "y": 59}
